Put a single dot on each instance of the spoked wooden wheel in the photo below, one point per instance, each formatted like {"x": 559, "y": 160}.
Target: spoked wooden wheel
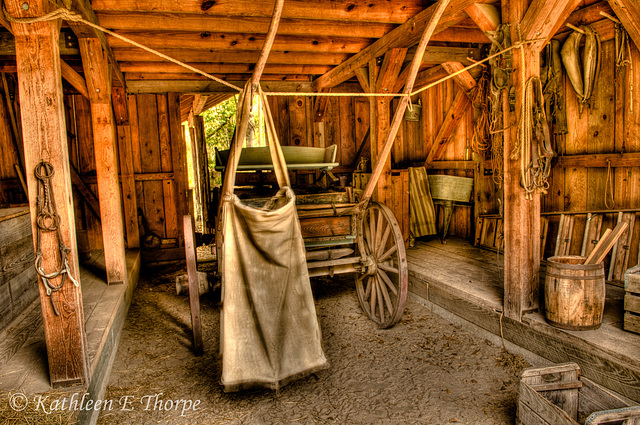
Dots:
{"x": 382, "y": 285}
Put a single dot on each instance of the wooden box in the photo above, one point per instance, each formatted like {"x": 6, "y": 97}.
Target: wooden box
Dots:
{"x": 558, "y": 395}
{"x": 632, "y": 300}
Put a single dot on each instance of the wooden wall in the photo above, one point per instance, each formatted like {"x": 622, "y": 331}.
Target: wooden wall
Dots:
{"x": 18, "y": 287}
{"x": 154, "y": 141}
{"x": 612, "y": 125}
{"x": 346, "y": 123}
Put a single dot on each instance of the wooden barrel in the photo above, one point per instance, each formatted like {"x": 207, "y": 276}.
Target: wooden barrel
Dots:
{"x": 574, "y": 293}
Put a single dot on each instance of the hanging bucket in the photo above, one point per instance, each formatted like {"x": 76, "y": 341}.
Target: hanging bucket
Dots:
{"x": 413, "y": 114}
{"x": 574, "y": 293}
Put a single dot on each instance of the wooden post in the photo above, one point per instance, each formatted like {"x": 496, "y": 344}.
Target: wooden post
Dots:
{"x": 121, "y": 110}
{"x": 96, "y": 71}
{"x": 178, "y": 158}
{"x": 43, "y": 123}
{"x": 522, "y": 216}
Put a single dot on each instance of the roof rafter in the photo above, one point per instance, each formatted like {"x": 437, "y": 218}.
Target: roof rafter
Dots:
{"x": 405, "y": 35}
{"x": 83, "y": 7}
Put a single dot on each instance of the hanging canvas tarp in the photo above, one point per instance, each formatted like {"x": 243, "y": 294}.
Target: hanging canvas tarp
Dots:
{"x": 270, "y": 332}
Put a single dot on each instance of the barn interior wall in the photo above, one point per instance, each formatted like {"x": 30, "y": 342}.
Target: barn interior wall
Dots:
{"x": 346, "y": 124}
{"x": 610, "y": 125}
{"x": 155, "y": 179}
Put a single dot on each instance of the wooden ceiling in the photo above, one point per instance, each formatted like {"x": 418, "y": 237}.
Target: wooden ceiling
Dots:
{"x": 224, "y": 38}
{"x": 319, "y": 43}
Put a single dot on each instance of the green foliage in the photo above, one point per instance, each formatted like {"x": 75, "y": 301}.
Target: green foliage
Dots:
{"x": 219, "y": 126}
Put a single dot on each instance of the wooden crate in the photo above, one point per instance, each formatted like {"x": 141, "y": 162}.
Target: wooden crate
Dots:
{"x": 632, "y": 300}
{"x": 558, "y": 395}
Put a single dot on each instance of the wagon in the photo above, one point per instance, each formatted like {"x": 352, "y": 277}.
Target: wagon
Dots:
{"x": 341, "y": 234}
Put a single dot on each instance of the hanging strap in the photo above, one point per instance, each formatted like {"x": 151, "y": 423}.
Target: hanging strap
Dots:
{"x": 277, "y": 156}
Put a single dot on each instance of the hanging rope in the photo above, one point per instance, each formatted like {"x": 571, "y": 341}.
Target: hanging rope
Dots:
{"x": 609, "y": 188}
{"x": 623, "y": 58}
{"x": 48, "y": 220}
{"x": 481, "y": 139}
{"x": 535, "y": 159}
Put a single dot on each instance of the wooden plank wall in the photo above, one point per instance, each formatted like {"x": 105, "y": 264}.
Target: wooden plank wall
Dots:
{"x": 10, "y": 189}
{"x": 346, "y": 122}
{"x": 612, "y": 125}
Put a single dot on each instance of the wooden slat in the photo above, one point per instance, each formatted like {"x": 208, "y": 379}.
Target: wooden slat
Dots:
{"x": 591, "y": 235}
{"x": 207, "y": 86}
{"x": 179, "y": 159}
{"x": 404, "y": 36}
{"x": 600, "y": 160}
{"x": 606, "y": 243}
{"x": 43, "y": 123}
{"x": 565, "y": 233}
{"x": 87, "y": 194}
{"x": 621, "y": 250}
{"x": 453, "y": 116}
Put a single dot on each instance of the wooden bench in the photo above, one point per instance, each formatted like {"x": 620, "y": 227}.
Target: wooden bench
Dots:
{"x": 296, "y": 157}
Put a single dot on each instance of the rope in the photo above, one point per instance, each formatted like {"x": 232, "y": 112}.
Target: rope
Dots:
{"x": 48, "y": 220}
{"x": 481, "y": 139}
{"x": 609, "y": 183}
{"x": 624, "y": 58}
{"x": 535, "y": 161}
{"x": 68, "y": 15}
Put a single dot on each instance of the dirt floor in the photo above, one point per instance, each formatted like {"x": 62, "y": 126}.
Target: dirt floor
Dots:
{"x": 423, "y": 371}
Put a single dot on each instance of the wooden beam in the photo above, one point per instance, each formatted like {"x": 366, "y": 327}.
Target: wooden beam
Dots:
{"x": 85, "y": 191}
{"x": 338, "y": 10}
{"x": 543, "y": 19}
{"x": 210, "y": 86}
{"x": 383, "y": 154}
{"x": 200, "y": 22}
{"x": 601, "y": 160}
{"x": 486, "y": 16}
{"x": 83, "y": 7}
{"x": 424, "y": 78}
{"x": 76, "y": 80}
{"x": 390, "y": 69}
{"x": 7, "y": 48}
{"x": 221, "y": 68}
{"x": 464, "y": 79}
{"x": 96, "y": 70}
{"x": 234, "y": 42}
{"x": 450, "y": 165}
{"x": 320, "y": 104}
{"x": 127, "y": 177}
{"x": 404, "y": 36}
{"x": 453, "y": 116}
{"x": 183, "y": 54}
{"x": 521, "y": 216}
{"x": 362, "y": 74}
{"x": 43, "y": 124}
{"x": 199, "y": 101}
{"x": 629, "y": 14}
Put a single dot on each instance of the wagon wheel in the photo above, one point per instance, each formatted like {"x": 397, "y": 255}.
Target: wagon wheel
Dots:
{"x": 382, "y": 284}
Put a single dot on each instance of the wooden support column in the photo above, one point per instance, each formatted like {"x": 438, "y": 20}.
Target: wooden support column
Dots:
{"x": 522, "y": 216}
{"x": 43, "y": 123}
{"x": 123, "y": 127}
{"x": 382, "y": 80}
{"x": 97, "y": 75}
